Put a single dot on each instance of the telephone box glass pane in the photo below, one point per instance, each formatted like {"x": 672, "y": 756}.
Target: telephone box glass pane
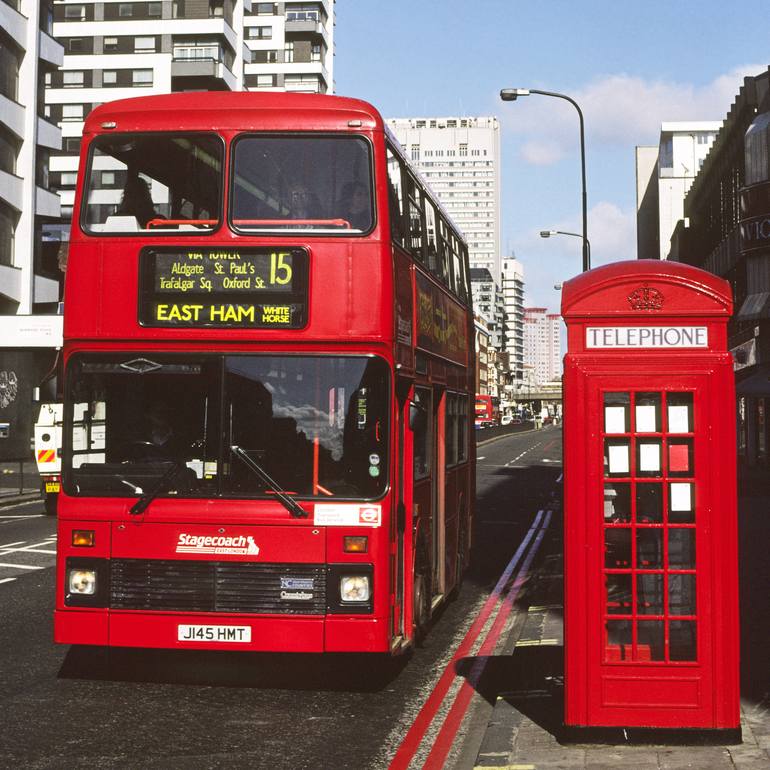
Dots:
{"x": 617, "y": 503}
{"x": 648, "y": 457}
{"x": 619, "y": 640}
{"x": 681, "y": 594}
{"x": 679, "y": 409}
{"x": 649, "y": 549}
{"x": 617, "y": 548}
{"x": 680, "y": 457}
{"x": 681, "y": 548}
{"x": 649, "y": 594}
{"x": 617, "y": 413}
{"x": 647, "y": 413}
{"x": 618, "y": 594}
{"x": 649, "y": 503}
{"x": 617, "y": 457}
{"x": 682, "y": 636}
{"x": 650, "y": 644}
{"x": 681, "y": 505}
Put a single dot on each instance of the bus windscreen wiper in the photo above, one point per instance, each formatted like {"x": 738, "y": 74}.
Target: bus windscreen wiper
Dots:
{"x": 292, "y": 506}
{"x": 140, "y": 506}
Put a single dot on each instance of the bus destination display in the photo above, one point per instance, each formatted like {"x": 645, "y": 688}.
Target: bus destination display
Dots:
{"x": 243, "y": 288}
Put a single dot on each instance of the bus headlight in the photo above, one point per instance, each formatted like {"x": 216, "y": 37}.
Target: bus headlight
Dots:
{"x": 82, "y": 582}
{"x": 354, "y": 588}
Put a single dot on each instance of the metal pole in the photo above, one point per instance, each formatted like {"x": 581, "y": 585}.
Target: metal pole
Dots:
{"x": 586, "y": 247}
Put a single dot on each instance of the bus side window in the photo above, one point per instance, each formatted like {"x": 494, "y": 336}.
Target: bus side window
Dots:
{"x": 415, "y": 202}
{"x": 395, "y": 198}
{"x": 432, "y": 248}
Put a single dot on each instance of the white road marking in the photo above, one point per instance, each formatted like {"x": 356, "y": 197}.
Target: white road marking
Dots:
{"x": 11, "y": 545}
{"x": 6, "y": 580}
{"x": 20, "y": 566}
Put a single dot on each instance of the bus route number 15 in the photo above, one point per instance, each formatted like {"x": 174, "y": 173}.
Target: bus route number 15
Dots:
{"x": 280, "y": 268}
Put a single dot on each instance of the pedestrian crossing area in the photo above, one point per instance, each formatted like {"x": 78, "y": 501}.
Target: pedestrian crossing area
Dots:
{"x": 22, "y": 557}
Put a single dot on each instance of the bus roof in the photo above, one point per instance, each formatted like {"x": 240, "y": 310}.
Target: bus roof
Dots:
{"x": 222, "y": 110}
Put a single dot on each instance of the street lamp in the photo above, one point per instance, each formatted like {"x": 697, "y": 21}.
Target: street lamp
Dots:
{"x": 549, "y": 233}
{"x": 510, "y": 95}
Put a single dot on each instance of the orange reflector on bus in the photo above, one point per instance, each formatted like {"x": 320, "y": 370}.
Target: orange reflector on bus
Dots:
{"x": 83, "y": 537}
{"x": 355, "y": 543}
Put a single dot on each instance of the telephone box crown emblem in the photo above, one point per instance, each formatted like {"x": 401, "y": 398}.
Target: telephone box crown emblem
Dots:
{"x": 645, "y": 298}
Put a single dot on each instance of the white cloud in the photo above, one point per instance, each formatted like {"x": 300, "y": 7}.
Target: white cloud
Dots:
{"x": 619, "y": 110}
{"x": 611, "y": 232}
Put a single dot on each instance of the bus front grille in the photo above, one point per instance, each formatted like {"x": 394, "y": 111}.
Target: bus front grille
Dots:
{"x": 218, "y": 586}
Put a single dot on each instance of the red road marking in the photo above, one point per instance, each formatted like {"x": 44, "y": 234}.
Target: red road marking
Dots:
{"x": 551, "y": 443}
{"x": 454, "y": 718}
{"x": 413, "y": 738}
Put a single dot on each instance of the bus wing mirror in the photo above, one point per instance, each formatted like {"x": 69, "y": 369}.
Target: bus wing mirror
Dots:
{"x": 417, "y": 416}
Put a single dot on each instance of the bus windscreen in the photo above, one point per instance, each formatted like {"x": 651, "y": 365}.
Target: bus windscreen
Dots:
{"x": 153, "y": 184}
{"x": 316, "y": 424}
{"x": 316, "y": 183}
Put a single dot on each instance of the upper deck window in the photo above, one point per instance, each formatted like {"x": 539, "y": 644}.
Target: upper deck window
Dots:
{"x": 160, "y": 183}
{"x": 311, "y": 183}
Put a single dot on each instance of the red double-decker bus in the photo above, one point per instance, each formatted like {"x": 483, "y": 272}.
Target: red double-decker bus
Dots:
{"x": 269, "y": 383}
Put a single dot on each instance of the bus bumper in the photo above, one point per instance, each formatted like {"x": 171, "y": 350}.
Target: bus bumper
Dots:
{"x": 220, "y": 632}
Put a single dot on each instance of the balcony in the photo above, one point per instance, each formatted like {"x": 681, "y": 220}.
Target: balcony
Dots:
{"x": 12, "y": 187}
{"x": 204, "y": 64}
{"x": 310, "y": 25}
{"x": 48, "y": 134}
{"x": 12, "y": 115}
{"x": 51, "y": 50}
{"x": 47, "y": 204}
{"x": 13, "y": 22}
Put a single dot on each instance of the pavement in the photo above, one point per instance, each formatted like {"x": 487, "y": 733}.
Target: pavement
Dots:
{"x": 525, "y": 730}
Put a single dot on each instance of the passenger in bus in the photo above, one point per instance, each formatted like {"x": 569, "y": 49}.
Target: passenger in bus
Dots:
{"x": 303, "y": 204}
{"x": 137, "y": 202}
{"x": 354, "y": 205}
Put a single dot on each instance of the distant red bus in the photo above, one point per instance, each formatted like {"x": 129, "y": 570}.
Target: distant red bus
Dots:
{"x": 268, "y": 437}
{"x": 487, "y": 410}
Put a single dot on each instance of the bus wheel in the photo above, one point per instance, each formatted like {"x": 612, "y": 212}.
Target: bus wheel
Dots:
{"x": 50, "y": 503}
{"x": 421, "y": 611}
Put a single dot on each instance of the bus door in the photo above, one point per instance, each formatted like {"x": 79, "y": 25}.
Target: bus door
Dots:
{"x": 438, "y": 513}
{"x": 401, "y": 540}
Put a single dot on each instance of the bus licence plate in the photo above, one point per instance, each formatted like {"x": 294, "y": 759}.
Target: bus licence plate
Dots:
{"x": 234, "y": 634}
{"x": 52, "y": 486}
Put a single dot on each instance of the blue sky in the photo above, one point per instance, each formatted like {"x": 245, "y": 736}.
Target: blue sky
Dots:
{"x": 631, "y": 66}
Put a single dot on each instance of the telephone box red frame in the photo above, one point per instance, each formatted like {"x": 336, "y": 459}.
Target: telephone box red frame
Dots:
{"x": 650, "y": 573}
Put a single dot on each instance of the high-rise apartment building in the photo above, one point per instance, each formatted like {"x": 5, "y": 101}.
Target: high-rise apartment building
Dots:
{"x": 663, "y": 177}
{"x": 488, "y": 302}
{"x": 28, "y": 54}
{"x": 513, "y": 298}
{"x": 115, "y": 50}
{"x": 460, "y": 160}
{"x": 542, "y": 344}
{"x": 30, "y": 329}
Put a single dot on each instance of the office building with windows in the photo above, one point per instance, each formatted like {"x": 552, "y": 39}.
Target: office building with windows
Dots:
{"x": 115, "y": 50}
{"x": 460, "y": 160}
{"x": 542, "y": 344}
{"x": 30, "y": 328}
{"x": 664, "y": 174}
{"x": 513, "y": 300}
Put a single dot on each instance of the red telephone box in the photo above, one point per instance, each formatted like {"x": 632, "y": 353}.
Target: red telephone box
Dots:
{"x": 651, "y": 579}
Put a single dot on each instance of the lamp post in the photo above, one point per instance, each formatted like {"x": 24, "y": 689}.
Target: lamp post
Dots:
{"x": 510, "y": 95}
{"x": 586, "y": 243}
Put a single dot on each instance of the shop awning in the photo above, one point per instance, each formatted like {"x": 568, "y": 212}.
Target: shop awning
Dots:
{"x": 755, "y": 306}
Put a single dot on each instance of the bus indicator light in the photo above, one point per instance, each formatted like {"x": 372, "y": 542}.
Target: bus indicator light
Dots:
{"x": 355, "y": 543}
{"x": 83, "y": 538}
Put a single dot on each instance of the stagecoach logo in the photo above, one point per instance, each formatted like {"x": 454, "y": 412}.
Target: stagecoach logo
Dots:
{"x": 645, "y": 298}
{"x": 217, "y": 544}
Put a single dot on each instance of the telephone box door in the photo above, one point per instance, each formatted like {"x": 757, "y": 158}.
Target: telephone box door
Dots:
{"x": 649, "y": 488}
